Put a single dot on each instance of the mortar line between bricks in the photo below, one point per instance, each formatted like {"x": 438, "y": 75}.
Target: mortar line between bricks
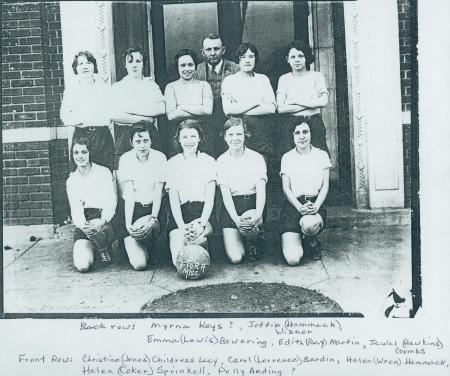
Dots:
{"x": 16, "y": 258}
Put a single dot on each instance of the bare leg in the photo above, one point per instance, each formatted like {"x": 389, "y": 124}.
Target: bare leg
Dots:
{"x": 176, "y": 243}
{"x": 234, "y": 246}
{"x": 291, "y": 244}
{"x": 83, "y": 255}
{"x": 137, "y": 253}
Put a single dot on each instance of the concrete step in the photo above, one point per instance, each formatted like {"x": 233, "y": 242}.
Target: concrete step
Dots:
{"x": 348, "y": 217}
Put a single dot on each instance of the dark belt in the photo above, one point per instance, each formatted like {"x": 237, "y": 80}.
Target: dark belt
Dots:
{"x": 144, "y": 205}
{"x": 303, "y": 198}
{"x": 245, "y": 197}
{"x": 94, "y": 128}
{"x": 306, "y": 117}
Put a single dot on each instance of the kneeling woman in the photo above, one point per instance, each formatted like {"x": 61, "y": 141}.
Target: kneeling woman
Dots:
{"x": 93, "y": 203}
{"x": 142, "y": 175}
{"x": 191, "y": 182}
{"x": 305, "y": 177}
{"x": 242, "y": 176}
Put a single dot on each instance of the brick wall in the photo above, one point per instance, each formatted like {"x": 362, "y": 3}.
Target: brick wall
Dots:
{"x": 406, "y": 50}
{"x": 32, "y": 87}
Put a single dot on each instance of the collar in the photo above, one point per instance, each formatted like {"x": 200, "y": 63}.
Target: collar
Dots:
{"x": 217, "y": 68}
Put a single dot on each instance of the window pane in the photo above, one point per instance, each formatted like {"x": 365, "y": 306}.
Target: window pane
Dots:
{"x": 185, "y": 25}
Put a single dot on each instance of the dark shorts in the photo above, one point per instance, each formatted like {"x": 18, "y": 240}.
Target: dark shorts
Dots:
{"x": 101, "y": 145}
{"x": 242, "y": 204}
{"x": 261, "y": 133}
{"x": 317, "y": 127}
{"x": 189, "y": 211}
{"x": 122, "y": 140}
{"x": 290, "y": 217}
{"x": 118, "y": 222}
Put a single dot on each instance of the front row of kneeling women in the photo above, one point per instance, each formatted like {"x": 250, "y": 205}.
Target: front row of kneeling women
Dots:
{"x": 190, "y": 178}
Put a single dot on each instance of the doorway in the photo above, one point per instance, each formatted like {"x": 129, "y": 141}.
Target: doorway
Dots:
{"x": 157, "y": 26}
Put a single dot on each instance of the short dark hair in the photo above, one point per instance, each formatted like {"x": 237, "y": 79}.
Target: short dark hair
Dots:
{"x": 80, "y": 141}
{"x": 88, "y": 55}
{"x": 190, "y": 124}
{"x": 243, "y": 48}
{"x": 233, "y": 122}
{"x": 184, "y": 52}
{"x": 304, "y": 47}
{"x": 139, "y": 127}
{"x": 295, "y": 124}
{"x": 129, "y": 57}
{"x": 212, "y": 36}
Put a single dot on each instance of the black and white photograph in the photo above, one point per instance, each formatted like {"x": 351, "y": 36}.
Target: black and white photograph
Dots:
{"x": 228, "y": 187}
{"x": 210, "y": 157}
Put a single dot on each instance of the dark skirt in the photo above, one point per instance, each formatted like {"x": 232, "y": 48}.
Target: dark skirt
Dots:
{"x": 242, "y": 203}
{"x": 317, "y": 127}
{"x": 261, "y": 133}
{"x": 101, "y": 145}
{"x": 122, "y": 142}
{"x": 189, "y": 211}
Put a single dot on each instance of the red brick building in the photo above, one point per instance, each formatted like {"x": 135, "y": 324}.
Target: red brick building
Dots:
{"x": 36, "y": 39}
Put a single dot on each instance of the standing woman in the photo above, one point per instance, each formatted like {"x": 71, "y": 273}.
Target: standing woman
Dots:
{"x": 242, "y": 176}
{"x": 85, "y": 106}
{"x": 191, "y": 182}
{"x": 136, "y": 99}
{"x": 305, "y": 172}
{"x": 188, "y": 98}
{"x": 92, "y": 201}
{"x": 142, "y": 172}
{"x": 249, "y": 95}
{"x": 301, "y": 94}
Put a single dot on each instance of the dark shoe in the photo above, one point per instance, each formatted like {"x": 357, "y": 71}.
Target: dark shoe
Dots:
{"x": 105, "y": 256}
{"x": 261, "y": 244}
{"x": 252, "y": 254}
{"x": 312, "y": 248}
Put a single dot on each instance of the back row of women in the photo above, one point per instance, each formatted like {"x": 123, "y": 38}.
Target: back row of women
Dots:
{"x": 115, "y": 129}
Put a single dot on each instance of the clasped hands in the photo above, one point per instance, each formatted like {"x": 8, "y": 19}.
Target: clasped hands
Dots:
{"x": 308, "y": 208}
{"x": 93, "y": 226}
{"x": 143, "y": 228}
{"x": 248, "y": 224}
{"x": 194, "y": 231}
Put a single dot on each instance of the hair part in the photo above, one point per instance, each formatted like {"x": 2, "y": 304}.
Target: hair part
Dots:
{"x": 80, "y": 141}
{"x": 185, "y": 52}
{"x": 235, "y": 122}
{"x": 304, "y": 47}
{"x": 189, "y": 124}
{"x": 129, "y": 57}
{"x": 243, "y": 48}
{"x": 89, "y": 56}
{"x": 213, "y": 36}
{"x": 139, "y": 127}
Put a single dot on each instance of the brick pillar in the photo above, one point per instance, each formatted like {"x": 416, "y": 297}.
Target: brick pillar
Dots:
{"x": 406, "y": 54}
{"x": 32, "y": 86}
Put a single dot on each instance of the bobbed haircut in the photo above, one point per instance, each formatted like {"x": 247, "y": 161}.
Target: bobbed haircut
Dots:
{"x": 304, "y": 47}
{"x": 243, "y": 48}
{"x": 129, "y": 57}
{"x": 80, "y": 141}
{"x": 139, "y": 127}
{"x": 88, "y": 55}
{"x": 185, "y": 52}
{"x": 234, "y": 122}
{"x": 294, "y": 125}
{"x": 189, "y": 124}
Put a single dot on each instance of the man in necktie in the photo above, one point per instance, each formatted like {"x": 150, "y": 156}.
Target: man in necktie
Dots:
{"x": 213, "y": 70}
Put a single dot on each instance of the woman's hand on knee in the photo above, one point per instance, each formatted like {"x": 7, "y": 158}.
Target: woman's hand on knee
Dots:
{"x": 93, "y": 226}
